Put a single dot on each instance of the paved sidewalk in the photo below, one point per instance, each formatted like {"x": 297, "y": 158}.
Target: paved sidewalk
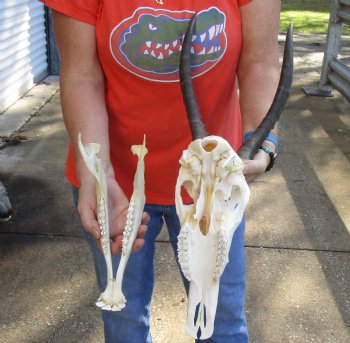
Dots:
{"x": 297, "y": 239}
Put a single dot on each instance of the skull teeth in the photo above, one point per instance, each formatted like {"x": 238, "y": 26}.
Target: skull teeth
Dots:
{"x": 222, "y": 256}
{"x": 183, "y": 253}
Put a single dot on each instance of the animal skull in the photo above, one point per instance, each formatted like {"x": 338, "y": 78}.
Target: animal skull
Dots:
{"x": 112, "y": 299}
{"x": 211, "y": 173}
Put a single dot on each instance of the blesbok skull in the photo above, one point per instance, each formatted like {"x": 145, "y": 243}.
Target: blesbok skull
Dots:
{"x": 211, "y": 173}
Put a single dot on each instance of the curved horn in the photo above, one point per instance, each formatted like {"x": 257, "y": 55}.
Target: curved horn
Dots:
{"x": 250, "y": 147}
{"x": 193, "y": 115}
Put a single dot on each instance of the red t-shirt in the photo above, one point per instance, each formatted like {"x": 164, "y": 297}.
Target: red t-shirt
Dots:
{"x": 139, "y": 44}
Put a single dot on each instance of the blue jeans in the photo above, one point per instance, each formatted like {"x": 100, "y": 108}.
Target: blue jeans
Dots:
{"x": 132, "y": 324}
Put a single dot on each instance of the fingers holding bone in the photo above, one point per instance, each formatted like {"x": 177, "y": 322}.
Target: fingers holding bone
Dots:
{"x": 117, "y": 240}
{"x": 87, "y": 212}
{"x": 253, "y": 168}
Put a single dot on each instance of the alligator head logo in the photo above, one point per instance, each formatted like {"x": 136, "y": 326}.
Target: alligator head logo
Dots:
{"x": 149, "y": 42}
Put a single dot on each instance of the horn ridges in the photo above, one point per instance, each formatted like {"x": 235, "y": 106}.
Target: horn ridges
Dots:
{"x": 197, "y": 127}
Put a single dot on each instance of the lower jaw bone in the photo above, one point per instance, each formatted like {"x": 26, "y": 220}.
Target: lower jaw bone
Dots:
{"x": 134, "y": 218}
{"x": 211, "y": 173}
{"x": 113, "y": 299}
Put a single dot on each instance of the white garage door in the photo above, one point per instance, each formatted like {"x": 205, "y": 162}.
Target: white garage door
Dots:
{"x": 23, "y": 60}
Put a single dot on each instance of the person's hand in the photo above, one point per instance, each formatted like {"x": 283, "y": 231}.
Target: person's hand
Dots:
{"x": 118, "y": 208}
{"x": 257, "y": 166}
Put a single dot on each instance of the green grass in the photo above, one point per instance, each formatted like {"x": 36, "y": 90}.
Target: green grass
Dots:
{"x": 307, "y": 16}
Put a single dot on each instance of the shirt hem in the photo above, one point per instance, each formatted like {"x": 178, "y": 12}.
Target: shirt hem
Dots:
{"x": 243, "y": 2}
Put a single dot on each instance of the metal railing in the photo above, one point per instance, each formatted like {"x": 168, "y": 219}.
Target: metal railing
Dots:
{"x": 334, "y": 73}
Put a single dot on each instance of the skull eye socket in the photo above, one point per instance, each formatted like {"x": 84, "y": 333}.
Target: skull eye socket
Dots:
{"x": 187, "y": 190}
